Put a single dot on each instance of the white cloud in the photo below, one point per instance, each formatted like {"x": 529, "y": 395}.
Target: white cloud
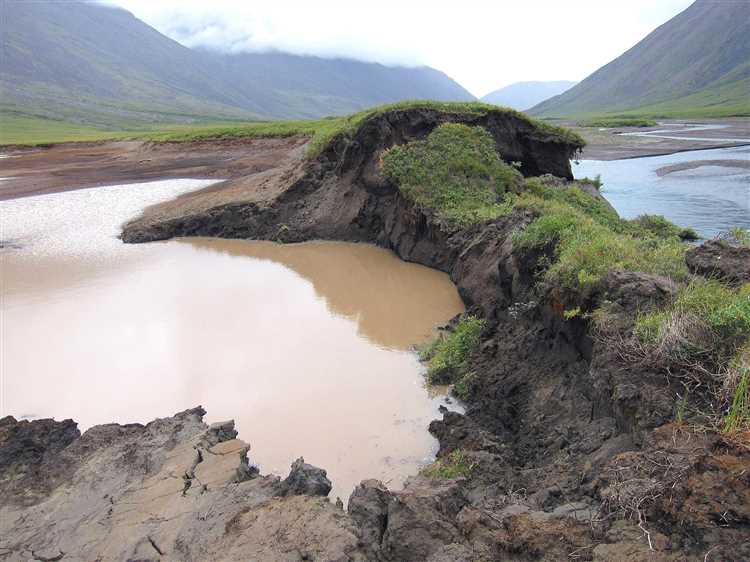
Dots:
{"x": 482, "y": 45}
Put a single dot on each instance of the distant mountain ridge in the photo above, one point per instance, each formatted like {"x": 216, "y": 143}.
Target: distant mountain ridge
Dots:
{"x": 698, "y": 62}
{"x": 88, "y": 62}
{"x": 525, "y": 95}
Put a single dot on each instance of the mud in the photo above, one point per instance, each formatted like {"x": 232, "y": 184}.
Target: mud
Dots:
{"x": 62, "y": 167}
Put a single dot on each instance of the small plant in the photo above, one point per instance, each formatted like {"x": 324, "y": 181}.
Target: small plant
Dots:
{"x": 462, "y": 387}
{"x": 447, "y": 357}
{"x": 596, "y": 182}
{"x": 456, "y": 464}
{"x": 739, "y": 412}
{"x": 682, "y": 408}
{"x": 572, "y": 313}
{"x": 740, "y": 235}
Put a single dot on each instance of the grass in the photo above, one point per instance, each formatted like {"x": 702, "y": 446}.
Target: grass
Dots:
{"x": 25, "y": 130}
{"x": 348, "y": 126}
{"x": 612, "y": 122}
{"x": 456, "y": 171}
{"x": 589, "y": 238}
{"x": 456, "y": 464}
{"x": 447, "y": 356}
{"x": 741, "y": 236}
{"x": 34, "y": 130}
{"x": 706, "y": 330}
{"x": 661, "y": 227}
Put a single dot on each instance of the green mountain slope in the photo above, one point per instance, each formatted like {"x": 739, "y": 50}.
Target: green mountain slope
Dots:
{"x": 102, "y": 66}
{"x": 523, "y": 95}
{"x": 698, "y": 63}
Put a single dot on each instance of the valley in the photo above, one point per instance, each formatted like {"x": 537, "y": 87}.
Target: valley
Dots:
{"x": 273, "y": 287}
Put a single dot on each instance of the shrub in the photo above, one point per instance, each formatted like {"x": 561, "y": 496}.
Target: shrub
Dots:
{"x": 456, "y": 171}
{"x": 447, "y": 357}
{"x": 661, "y": 227}
{"x": 457, "y": 464}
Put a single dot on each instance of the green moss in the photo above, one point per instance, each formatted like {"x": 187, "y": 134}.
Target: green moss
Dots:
{"x": 456, "y": 171}
{"x": 457, "y": 464}
{"x": 447, "y": 357}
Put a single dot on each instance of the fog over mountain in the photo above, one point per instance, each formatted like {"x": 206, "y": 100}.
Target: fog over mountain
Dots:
{"x": 95, "y": 64}
{"x": 524, "y": 95}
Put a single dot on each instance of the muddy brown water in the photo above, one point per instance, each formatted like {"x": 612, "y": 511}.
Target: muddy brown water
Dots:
{"x": 307, "y": 346}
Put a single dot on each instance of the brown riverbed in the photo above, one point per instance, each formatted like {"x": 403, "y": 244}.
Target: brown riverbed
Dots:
{"x": 308, "y": 347}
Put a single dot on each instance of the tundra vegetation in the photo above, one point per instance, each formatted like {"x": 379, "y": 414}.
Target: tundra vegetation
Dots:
{"x": 701, "y": 337}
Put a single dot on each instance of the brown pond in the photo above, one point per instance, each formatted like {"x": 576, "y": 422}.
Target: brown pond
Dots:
{"x": 306, "y": 346}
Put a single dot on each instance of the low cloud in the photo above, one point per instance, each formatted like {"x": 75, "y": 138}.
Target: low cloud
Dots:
{"x": 483, "y": 45}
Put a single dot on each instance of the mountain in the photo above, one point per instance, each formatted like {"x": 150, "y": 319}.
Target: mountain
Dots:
{"x": 524, "y": 95}
{"x": 97, "y": 64}
{"x": 696, "y": 63}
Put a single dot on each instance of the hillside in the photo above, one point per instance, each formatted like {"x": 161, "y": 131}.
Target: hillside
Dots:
{"x": 524, "y": 95}
{"x": 99, "y": 66}
{"x": 698, "y": 63}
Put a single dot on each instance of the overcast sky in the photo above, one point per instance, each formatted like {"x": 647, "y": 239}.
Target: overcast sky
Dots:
{"x": 484, "y": 45}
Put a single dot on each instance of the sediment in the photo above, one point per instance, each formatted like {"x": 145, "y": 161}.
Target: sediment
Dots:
{"x": 574, "y": 452}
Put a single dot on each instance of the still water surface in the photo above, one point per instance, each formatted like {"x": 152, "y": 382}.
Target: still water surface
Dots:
{"x": 307, "y": 346}
{"x": 708, "y": 190}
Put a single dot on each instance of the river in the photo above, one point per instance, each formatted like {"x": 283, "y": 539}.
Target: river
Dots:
{"x": 708, "y": 190}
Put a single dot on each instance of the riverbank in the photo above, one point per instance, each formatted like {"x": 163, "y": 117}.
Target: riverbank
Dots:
{"x": 668, "y": 137}
{"x": 570, "y": 449}
{"x": 62, "y": 167}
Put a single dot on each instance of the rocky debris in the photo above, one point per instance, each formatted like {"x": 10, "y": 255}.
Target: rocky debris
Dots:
{"x": 122, "y": 493}
{"x": 721, "y": 260}
{"x": 305, "y": 480}
{"x": 26, "y": 450}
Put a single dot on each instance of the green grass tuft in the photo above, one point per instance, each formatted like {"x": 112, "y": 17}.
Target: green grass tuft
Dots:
{"x": 590, "y": 239}
{"x": 447, "y": 356}
{"x": 456, "y": 171}
{"x": 707, "y": 324}
{"x": 661, "y": 227}
{"x": 457, "y": 464}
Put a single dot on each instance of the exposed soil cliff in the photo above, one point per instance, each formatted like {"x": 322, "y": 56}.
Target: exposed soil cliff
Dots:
{"x": 570, "y": 452}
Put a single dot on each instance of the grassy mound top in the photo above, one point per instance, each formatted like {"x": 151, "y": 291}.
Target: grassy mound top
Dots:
{"x": 455, "y": 171}
{"x": 348, "y": 126}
